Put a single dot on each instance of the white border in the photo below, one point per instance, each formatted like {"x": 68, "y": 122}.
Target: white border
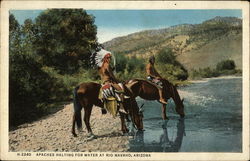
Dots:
{"x": 8, "y": 5}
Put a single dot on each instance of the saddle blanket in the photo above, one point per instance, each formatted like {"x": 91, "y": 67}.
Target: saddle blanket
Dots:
{"x": 157, "y": 82}
{"x": 107, "y": 94}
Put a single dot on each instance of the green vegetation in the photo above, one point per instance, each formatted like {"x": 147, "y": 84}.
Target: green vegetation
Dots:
{"x": 166, "y": 64}
{"x": 169, "y": 67}
{"x": 225, "y": 67}
{"x": 128, "y": 68}
{"x": 48, "y": 57}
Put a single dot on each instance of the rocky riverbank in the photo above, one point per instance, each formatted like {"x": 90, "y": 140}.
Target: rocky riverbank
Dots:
{"x": 53, "y": 133}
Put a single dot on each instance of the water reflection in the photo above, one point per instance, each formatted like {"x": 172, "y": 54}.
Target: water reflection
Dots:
{"x": 165, "y": 144}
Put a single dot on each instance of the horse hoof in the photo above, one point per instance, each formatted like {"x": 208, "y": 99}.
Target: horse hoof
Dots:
{"x": 165, "y": 118}
{"x": 131, "y": 133}
{"x": 104, "y": 111}
{"x": 91, "y": 137}
{"x": 74, "y": 134}
{"x": 164, "y": 124}
{"x": 80, "y": 130}
{"x": 125, "y": 134}
{"x": 181, "y": 119}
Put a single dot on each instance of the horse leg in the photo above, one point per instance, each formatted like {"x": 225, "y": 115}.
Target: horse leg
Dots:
{"x": 87, "y": 113}
{"x": 163, "y": 114}
{"x": 124, "y": 128}
{"x": 73, "y": 125}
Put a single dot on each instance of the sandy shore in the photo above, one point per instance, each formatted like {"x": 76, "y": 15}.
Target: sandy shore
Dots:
{"x": 54, "y": 134}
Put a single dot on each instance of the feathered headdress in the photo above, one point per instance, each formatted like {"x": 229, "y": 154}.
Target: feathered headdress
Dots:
{"x": 97, "y": 56}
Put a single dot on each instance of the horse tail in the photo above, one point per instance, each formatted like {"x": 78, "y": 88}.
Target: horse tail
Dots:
{"x": 77, "y": 109}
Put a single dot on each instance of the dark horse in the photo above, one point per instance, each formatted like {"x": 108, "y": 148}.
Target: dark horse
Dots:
{"x": 148, "y": 91}
{"x": 86, "y": 95}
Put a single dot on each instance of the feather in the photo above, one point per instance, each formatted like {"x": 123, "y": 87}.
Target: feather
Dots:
{"x": 112, "y": 91}
{"x": 97, "y": 56}
{"x": 108, "y": 92}
{"x": 104, "y": 94}
{"x": 118, "y": 97}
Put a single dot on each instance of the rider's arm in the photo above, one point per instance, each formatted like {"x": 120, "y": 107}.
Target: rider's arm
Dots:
{"x": 110, "y": 72}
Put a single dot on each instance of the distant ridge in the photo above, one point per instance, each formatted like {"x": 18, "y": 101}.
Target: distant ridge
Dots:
{"x": 196, "y": 45}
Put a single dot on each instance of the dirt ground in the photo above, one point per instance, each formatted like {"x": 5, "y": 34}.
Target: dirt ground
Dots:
{"x": 53, "y": 133}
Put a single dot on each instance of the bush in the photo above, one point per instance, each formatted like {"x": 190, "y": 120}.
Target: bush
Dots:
{"x": 225, "y": 65}
{"x": 48, "y": 58}
{"x": 121, "y": 62}
{"x": 64, "y": 39}
{"x": 166, "y": 56}
{"x": 169, "y": 67}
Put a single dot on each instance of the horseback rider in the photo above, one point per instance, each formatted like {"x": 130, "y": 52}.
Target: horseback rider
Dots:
{"x": 155, "y": 77}
{"x": 102, "y": 59}
{"x": 106, "y": 73}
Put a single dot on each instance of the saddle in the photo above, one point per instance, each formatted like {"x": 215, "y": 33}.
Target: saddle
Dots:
{"x": 155, "y": 81}
{"x": 110, "y": 97}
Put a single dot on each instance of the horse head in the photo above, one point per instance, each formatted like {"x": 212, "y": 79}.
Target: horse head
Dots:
{"x": 172, "y": 90}
{"x": 136, "y": 112}
{"x": 179, "y": 106}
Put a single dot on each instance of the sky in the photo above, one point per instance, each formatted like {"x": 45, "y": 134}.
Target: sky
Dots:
{"x": 116, "y": 23}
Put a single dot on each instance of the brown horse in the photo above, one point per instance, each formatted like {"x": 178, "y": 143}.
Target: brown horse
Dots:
{"x": 86, "y": 95}
{"x": 148, "y": 91}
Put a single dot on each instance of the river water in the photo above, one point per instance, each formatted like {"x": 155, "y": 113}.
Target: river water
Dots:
{"x": 213, "y": 121}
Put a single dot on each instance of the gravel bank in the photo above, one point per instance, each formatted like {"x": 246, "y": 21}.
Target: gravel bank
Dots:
{"x": 54, "y": 134}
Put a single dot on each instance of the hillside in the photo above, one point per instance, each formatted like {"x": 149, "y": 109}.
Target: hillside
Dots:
{"x": 196, "y": 46}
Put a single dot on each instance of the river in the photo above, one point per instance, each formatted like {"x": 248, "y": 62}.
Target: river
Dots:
{"x": 213, "y": 121}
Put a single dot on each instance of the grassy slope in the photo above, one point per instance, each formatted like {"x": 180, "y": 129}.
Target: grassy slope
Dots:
{"x": 197, "y": 46}
{"x": 225, "y": 47}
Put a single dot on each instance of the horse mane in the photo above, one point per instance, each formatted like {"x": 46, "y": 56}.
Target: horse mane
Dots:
{"x": 174, "y": 90}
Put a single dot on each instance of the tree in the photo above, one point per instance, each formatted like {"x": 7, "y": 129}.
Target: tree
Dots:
{"x": 166, "y": 56}
{"x": 121, "y": 62}
{"x": 169, "y": 66}
{"x": 29, "y": 85}
{"x": 41, "y": 53}
{"x": 225, "y": 65}
{"x": 65, "y": 38}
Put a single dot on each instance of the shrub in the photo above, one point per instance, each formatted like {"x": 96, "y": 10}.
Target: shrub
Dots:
{"x": 166, "y": 56}
{"x": 47, "y": 58}
{"x": 169, "y": 67}
{"x": 225, "y": 65}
